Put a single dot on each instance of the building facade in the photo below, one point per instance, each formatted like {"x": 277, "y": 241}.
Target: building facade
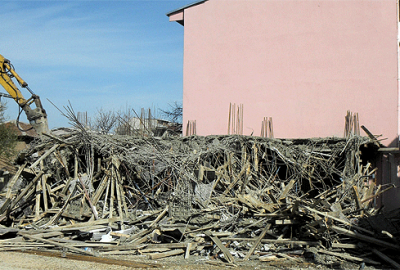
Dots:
{"x": 304, "y": 63}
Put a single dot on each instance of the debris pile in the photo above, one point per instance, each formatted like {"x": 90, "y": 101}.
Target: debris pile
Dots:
{"x": 227, "y": 198}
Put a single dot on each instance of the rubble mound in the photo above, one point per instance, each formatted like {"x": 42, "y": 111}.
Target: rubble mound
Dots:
{"x": 232, "y": 198}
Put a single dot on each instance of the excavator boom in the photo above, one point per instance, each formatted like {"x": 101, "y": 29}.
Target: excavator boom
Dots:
{"x": 37, "y": 117}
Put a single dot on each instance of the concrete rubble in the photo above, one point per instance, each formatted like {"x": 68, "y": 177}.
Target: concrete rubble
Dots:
{"x": 230, "y": 199}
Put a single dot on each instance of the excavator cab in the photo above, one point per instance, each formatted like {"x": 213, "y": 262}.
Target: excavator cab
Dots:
{"x": 37, "y": 117}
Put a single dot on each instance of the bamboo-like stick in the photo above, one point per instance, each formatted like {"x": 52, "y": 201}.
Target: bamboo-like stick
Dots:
{"x": 92, "y": 206}
{"x": 37, "y": 205}
{"x": 112, "y": 194}
{"x": 100, "y": 190}
{"x": 123, "y": 199}
{"x": 13, "y": 181}
{"x": 44, "y": 189}
{"x": 271, "y": 128}
{"x": 9, "y": 189}
{"x": 242, "y": 120}
{"x": 119, "y": 201}
{"x": 262, "y": 129}
{"x": 48, "y": 152}
{"x": 26, "y": 189}
{"x": 57, "y": 216}
{"x": 265, "y": 127}
{"x": 229, "y": 119}
{"x": 106, "y": 196}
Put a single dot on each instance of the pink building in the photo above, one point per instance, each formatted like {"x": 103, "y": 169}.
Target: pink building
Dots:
{"x": 302, "y": 62}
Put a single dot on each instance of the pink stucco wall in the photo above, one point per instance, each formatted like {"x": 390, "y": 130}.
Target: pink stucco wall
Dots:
{"x": 303, "y": 63}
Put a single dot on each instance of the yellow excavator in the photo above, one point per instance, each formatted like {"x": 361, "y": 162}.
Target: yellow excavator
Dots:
{"x": 37, "y": 117}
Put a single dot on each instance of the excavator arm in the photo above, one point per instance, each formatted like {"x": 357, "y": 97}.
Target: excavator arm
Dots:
{"x": 37, "y": 117}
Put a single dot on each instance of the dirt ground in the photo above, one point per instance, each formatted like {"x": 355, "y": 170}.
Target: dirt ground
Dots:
{"x": 23, "y": 261}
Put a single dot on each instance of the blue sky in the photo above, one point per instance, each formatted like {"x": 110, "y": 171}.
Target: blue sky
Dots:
{"x": 95, "y": 54}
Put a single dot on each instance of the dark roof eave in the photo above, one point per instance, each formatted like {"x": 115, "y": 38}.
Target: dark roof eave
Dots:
{"x": 185, "y": 7}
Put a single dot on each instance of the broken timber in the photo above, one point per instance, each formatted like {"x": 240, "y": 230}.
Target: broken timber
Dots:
{"x": 225, "y": 196}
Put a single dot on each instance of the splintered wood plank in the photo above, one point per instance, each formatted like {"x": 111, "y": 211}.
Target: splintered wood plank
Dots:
{"x": 92, "y": 206}
{"x": 150, "y": 250}
{"x": 386, "y": 259}
{"x": 367, "y": 193}
{"x": 121, "y": 213}
{"x": 285, "y": 222}
{"x": 48, "y": 152}
{"x": 229, "y": 118}
{"x": 339, "y": 245}
{"x": 159, "y": 217}
{"x": 13, "y": 181}
{"x": 371, "y": 136}
{"x": 365, "y": 238}
{"x": 135, "y": 237}
{"x": 51, "y": 195}
{"x": 224, "y": 250}
{"x": 59, "y": 213}
{"x": 62, "y": 160}
{"x": 338, "y": 220}
{"x": 37, "y": 205}
{"x": 9, "y": 189}
{"x": 166, "y": 254}
{"x": 76, "y": 163}
{"x": 287, "y": 189}
{"x": 106, "y": 196}
{"x": 85, "y": 224}
{"x": 44, "y": 191}
{"x": 64, "y": 190}
{"x": 257, "y": 242}
{"x": 26, "y": 189}
{"x": 357, "y": 199}
{"x": 112, "y": 196}
{"x": 109, "y": 261}
{"x": 247, "y": 179}
{"x": 188, "y": 248}
{"x": 254, "y": 203}
{"x": 236, "y": 180}
{"x": 271, "y": 196}
{"x": 123, "y": 199}
{"x": 57, "y": 244}
{"x": 100, "y": 190}
{"x": 255, "y": 157}
{"x": 348, "y": 257}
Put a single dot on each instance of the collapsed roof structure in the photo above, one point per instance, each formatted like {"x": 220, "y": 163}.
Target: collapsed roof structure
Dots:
{"x": 236, "y": 198}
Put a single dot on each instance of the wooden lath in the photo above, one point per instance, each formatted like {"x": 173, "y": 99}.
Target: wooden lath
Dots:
{"x": 235, "y": 119}
{"x": 352, "y": 124}
{"x": 267, "y": 128}
{"x": 191, "y": 128}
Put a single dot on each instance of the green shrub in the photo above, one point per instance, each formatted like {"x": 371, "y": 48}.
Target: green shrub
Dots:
{"x": 8, "y": 136}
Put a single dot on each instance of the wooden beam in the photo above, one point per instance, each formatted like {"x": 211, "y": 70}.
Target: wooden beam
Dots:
{"x": 166, "y": 254}
{"x": 371, "y": 136}
{"x": 386, "y": 258}
{"x": 348, "y": 257}
{"x": 48, "y": 152}
{"x": 69, "y": 256}
{"x": 365, "y": 238}
{"x": 218, "y": 242}
{"x": 389, "y": 149}
{"x": 47, "y": 241}
{"x": 257, "y": 242}
{"x": 338, "y": 220}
